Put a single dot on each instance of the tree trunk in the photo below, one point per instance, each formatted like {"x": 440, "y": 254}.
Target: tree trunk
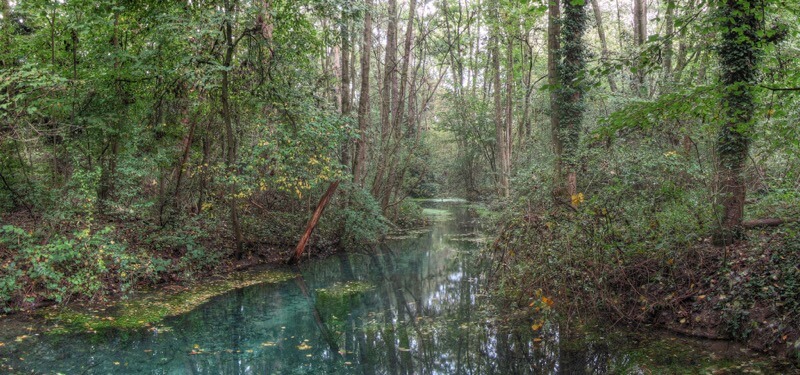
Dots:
{"x": 639, "y": 38}
{"x": 499, "y": 124}
{"x": 739, "y": 54}
{"x": 388, "y": 98}
{"x": 323, "y": 202}
{"x": 669, "y": 30}
{"x": 359, "y": 168}
{"x": 553, "y": 56}
{"x": 395, "y": 179}
{"x": 571, "y": 69}
{"x": 598, "y": 15}
{"x": 509, "y": 125}
{"x": 345, "y": 87}
{"x": 230, "y": 138}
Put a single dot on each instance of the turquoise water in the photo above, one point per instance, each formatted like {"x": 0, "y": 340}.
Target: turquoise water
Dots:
{"x": 413, "y": 306}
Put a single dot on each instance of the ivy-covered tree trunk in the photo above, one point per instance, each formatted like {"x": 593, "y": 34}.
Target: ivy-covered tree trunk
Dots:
{"x": 553, "y": 52}
{"x": 571, "y": 68}
{"x": 739, "y": 50}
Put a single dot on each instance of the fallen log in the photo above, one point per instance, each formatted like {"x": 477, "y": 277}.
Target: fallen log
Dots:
{"x": 764, "y": 223}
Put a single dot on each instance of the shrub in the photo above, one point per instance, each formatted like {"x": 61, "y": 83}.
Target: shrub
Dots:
{"x": 61, "y": 267}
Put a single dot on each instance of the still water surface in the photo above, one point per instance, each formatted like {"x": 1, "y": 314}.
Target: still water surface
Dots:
{"x": 413, "y": 306}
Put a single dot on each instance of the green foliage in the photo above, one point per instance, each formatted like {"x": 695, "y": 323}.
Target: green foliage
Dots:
{"x": 410, "y": 215}
{"x": 768, "y": 273}
{"x": 83, "y": 264}
{"x": 571, "y": 70}
{"x": 637, "y": 203}
{"x": 360, "y": 221}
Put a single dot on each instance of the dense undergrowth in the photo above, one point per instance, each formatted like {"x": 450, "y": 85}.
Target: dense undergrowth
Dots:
{"x": 85, "y": 256}
{"x": 635, "y": 246}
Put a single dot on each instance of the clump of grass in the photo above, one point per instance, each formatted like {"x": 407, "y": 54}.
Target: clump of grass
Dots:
{"x": 341, "y": 290}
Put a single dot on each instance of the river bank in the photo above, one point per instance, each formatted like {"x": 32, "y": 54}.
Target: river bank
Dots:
{"x": 746, "y": 292}
{"x": 419, "y": 303}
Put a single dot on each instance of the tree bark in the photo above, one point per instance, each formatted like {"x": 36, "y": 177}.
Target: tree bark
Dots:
{"x": 639, "y": 38}
{"x": 509, "y": 125}
{"x": 345, "y": 85}
{"x": 323, "y": 202}
{"x": 598, "y": 15}
{"x": 553, "y": 53}
{"x": 571, "y": 69}
{"x": 764, "y": 223}
{"x": 739, "y": 53}
{"x": 230, "y": 138}
{"x": 669, "y": 31}
{"x": 359, "y": 168}
{"x": 388, "y": 98}
{"x": 499, "y": 125}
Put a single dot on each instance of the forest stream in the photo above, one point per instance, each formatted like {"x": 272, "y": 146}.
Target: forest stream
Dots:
{"x": 415, "y": 305}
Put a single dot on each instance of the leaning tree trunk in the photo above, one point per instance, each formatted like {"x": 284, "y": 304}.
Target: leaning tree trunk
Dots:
{"x": 739, "y": 54}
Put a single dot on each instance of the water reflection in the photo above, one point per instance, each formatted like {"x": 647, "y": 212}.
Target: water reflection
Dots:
{"x": 409, "y": 307}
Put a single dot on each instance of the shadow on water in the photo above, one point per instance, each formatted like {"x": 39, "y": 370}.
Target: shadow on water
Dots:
{"x": 412, "y": 306}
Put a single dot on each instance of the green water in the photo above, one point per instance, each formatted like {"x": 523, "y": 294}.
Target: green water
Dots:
{"x": 413, "y": 306}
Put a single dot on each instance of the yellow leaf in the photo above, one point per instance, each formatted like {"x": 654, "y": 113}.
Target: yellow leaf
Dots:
{"x": 577, "y": 199}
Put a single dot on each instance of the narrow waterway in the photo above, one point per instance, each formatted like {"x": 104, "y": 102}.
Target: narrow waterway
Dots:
{"x": 415, "y": 305}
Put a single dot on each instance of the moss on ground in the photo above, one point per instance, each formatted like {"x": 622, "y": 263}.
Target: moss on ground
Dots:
{"x": 154, "y": 307}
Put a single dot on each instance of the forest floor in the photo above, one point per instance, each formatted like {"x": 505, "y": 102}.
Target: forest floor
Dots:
{"x": 746, "y": 292}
